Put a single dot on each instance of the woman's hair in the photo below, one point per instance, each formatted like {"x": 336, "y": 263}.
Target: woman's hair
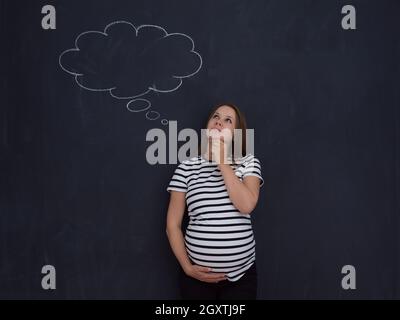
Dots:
{"x": 240, "y": 124}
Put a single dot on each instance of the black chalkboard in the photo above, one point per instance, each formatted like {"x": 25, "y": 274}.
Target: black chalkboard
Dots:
{"x": 77, "y": 101}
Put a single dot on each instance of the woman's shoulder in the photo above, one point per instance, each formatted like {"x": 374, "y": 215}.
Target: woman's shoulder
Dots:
{"x": 249, "y": 158}
{"x": 191, "y": 162}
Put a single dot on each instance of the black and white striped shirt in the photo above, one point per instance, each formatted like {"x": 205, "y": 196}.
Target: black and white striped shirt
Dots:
{"x": 218, "y": 236}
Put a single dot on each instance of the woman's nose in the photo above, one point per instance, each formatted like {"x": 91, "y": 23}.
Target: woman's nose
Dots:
{"x": 218, "y": 123}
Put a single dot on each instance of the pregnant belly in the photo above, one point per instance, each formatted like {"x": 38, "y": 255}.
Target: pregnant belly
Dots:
{"x": 226, "y": 252}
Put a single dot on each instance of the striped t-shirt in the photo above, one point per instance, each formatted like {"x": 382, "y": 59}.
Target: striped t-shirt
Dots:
{"x": 218, "y": 236}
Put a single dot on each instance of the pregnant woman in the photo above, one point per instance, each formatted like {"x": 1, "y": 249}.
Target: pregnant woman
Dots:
{"x": 217, "y": 253}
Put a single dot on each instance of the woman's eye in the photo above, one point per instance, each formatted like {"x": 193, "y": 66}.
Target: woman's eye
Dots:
{"x": 215, "y": 116}
{"x": 230, "y": 121}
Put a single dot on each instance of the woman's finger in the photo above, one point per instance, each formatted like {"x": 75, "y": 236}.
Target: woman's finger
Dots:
{"x": 215, "y": 276}
{"x": 203, "y": 269}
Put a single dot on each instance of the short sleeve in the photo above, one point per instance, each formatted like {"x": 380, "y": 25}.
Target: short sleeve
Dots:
{"x": 252, "y": 167}
{"x": 179, "y": 180}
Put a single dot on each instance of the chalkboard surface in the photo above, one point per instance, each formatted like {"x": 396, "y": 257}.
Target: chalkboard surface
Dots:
{"x": 77, "y": 102}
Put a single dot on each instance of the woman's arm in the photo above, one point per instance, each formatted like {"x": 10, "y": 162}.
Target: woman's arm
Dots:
{"x": 175, "y": 214}
{"x": 244, "y": 195}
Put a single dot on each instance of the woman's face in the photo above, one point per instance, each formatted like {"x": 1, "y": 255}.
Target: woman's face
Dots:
{"x": 223, "y": 118}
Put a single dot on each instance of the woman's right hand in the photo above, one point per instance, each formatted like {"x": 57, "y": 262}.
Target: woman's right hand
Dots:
{"x": 204, "y": 274}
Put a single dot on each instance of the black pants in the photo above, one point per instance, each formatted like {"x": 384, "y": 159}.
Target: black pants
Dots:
{"x": 243, "y": 289}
